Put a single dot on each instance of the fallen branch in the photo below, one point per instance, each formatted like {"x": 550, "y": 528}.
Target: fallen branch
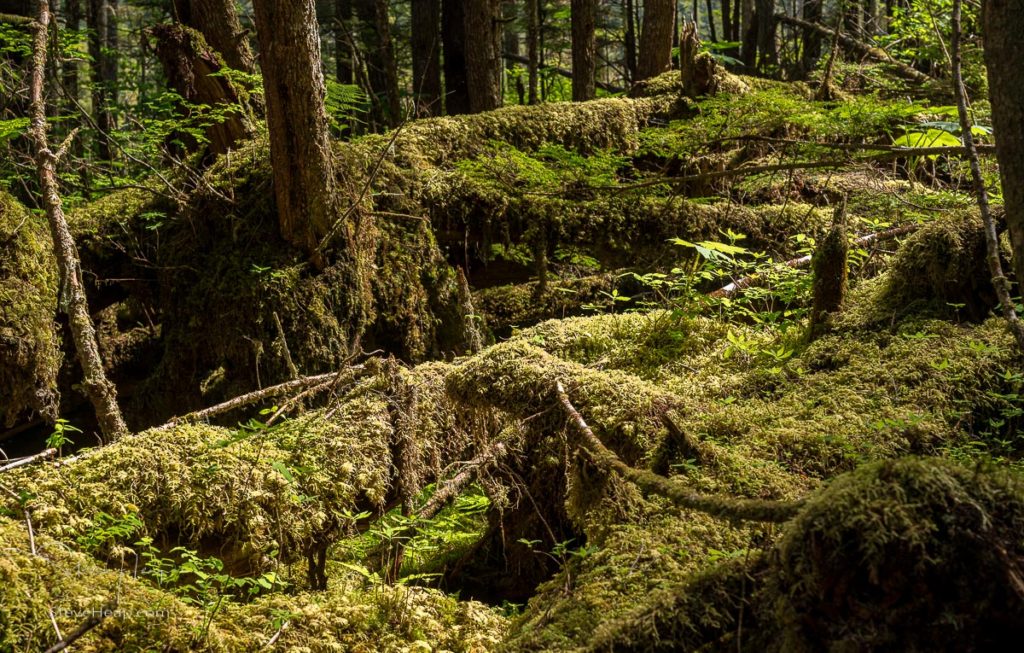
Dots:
{"x": 725, "y": 507}
{"x": 28, "y": 460}
{"x": 864, "y": 49}
{"x": 96, "y": 617}
{"x": 257, "y": 396}
{"x": 803, "y": 261}
{"x": 901, "y": 150}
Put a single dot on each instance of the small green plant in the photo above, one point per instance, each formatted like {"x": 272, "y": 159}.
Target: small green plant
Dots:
{"x": 59, "y": 438}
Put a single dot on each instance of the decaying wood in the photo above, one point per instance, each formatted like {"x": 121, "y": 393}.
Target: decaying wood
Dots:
{"x": 96, "y": 617}
{"x": 72, "y": 298}
{"x": 735, "y": 509}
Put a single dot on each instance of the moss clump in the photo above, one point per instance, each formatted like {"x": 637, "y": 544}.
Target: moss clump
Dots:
{"x": 906, "y": 555}
{"x": 30, "y": 356}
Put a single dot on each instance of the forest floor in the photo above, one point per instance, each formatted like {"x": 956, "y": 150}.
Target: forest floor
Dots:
{"x": 572, "y": 441}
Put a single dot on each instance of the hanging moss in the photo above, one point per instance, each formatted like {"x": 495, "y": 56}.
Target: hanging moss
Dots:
{"x": 30, "y": 356}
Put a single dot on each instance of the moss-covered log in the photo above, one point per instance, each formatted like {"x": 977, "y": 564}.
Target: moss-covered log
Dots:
{"x": 30, "y": 354}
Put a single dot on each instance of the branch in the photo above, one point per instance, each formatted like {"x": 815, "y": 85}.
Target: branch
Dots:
{"x": 95, "y": 619}
{"x": 259, "y": 395}
{"x": 27, "y": 460}
{"x": 725, "y": 507}
{"x": 803, "y": 261}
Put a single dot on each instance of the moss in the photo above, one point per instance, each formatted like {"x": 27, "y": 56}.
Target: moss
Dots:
{"x": 906, "y": 555}
{"x": 30, "y": 356}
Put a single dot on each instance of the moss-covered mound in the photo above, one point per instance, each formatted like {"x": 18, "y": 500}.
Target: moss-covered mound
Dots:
{"x": 29, "y": 345}
{"x": 907, "y": 555}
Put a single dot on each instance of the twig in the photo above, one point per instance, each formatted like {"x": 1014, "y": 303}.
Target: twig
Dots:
{"x": 277, "y": 635}
{"x": 95, "y": 619}
{"x": 648, "y": 481}
{"x": 803, "y": 261}
{"x": 28, "y": 460}
{"x": 999, "y": 280}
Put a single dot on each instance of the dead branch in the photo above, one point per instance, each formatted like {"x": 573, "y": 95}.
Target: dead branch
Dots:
{"x": 564, "y": 72}
{"x": 72, "y": 301}
{"x": 28, "y": 460}
{"x": 260, "y": 395}
{"x": 863, "y": 49}
{"x": 803, "y": 261}
{"x": 96, "y": 617}
{"x": 648, "y": 481}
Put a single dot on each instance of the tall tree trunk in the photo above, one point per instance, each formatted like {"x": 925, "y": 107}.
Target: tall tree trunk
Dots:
{"x": 656, "y": 38}
{"x": 375, "y": 34}
{"x": 749, "y": 30}
{"x": 483, "y": 53}
{"x": 1003, "y": 24}
{"x": 193, "y": 70}
{"x": 69, "y": 69}
{"x": 300, "y": 149}
{"x": 629, "y": 16}
{"x": 584, "y": 49}
{"x": 453, "y": 34}
{"x": 102, "y": 20}
{"x": 711, "y": 21}
{"x": 344, "y": 60}
{"x": 533, "y": 48}
{"x": 100, "y": 390}
{"x": 426, "y": 56}
{"x": 217, "y": 21}
{"x": 765, "y": 20}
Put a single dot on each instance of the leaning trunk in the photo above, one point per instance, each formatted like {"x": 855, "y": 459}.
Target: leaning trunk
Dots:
{"x": 217, "y": 21}
{"x": 72, "y": 299}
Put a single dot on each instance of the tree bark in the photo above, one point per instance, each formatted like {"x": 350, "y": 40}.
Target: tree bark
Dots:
{"x": 217, "y": 21}
{"x": 453, "y": 35}
{"x": 72, "y": 299}
{"x": 629, "y": 17}
{"x": 584, "y": 50}
{"x": 1003, "y": 24}
{"x": 656, "y": 38}
{"x": 343, "y": 56}
{"x": 192, "y": 68}
{"x": 69, "y": 69}
{"x": 102, "y": 20}
{"x": 483, "y": 53}
{"x": 300, "y": 149}
{"x": 811, "y": 38}
{"x": 533, "y": 49}
{"x": 426, "y": 51}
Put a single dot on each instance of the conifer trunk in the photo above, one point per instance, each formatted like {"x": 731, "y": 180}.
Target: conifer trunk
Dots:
{"x": 483, "y": 53}
{"x": 584, "y": 50}
{"x": 426, "y": 52}
{"x": 656, "y": 38}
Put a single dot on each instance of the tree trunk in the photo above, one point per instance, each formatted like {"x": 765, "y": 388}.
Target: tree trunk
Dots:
{"x": 72, "y": 299}
{"x": 1003, "y": 24}
{"x": 300, "y": 150}
{"x": 749, "y": 31}
{"x": 192, "y": 68}
{"x": 343, "y": 56}
{"x": 629, "y": 16}
{"x": 711, "y": 21}
{"x": 482, "y": 20}
{"x": 102, "y": 20}
{"x": 217, "y": 21}
{"x": 656, "y": 38}
{"x": 426, "y": 56}
{"x": 765, "y": 20}
{"x": 811, "y": 39}
{"x": 375, "y": 34}
{"x": 69, "y": 70}
{"x": 533, "y": 48}
{"x": 453, "y": 34}
{"x": 584, "y": 50}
